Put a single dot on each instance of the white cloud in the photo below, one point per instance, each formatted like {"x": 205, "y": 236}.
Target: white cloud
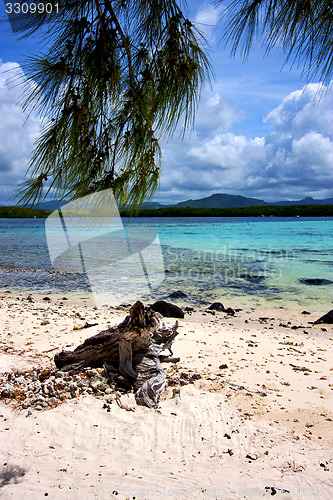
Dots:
{"x": 206, "y": 20}
{"x": 215, "y": 114}
{"x": 304, "y": 110}
{"x": 18, "y": 131}
{"x": 293, "y": 161}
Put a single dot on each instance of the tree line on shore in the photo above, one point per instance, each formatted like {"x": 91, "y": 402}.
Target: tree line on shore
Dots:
{"x": 256, "y": 211}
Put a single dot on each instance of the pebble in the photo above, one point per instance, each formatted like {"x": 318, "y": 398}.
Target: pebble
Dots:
{"x": 39, "y": 389}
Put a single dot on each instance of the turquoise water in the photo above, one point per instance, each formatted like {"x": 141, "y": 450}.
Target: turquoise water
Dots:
{"x": 225, "y": 259}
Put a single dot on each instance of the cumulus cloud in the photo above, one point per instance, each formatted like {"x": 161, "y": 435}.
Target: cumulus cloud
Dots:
{"x": 303, "y": 111}
{"x": 18, "y": 131}
{"x": 293, "y": 161}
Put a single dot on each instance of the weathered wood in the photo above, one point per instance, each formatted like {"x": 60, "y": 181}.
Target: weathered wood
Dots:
{"x": 130, "y": 353}
{"x": 125, "y": 358}
{"x": 93, "y": 352}
{"x": 151, "y": 381}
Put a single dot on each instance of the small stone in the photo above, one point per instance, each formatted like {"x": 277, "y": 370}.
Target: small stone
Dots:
{"x": 73, "y": 389}
{"x": 7, "y": 391}
{"x": 177, "y": 295}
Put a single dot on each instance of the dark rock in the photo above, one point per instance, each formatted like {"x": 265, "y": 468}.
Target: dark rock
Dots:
{"x": 306, "y": 312}
{"x": 217, "y": 306}
{"x": 47, "y": 299}
{"x": 177, "y": 295}
{"x": 189, "y": 309}
{"x": 316, "y": 281}
{"x": 167, "y": 310}
{"x": 223, "y": 367}
{"x": 327, "y": 318}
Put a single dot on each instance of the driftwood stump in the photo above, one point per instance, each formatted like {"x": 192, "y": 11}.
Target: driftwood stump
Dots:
{"x": 130, "y": 353}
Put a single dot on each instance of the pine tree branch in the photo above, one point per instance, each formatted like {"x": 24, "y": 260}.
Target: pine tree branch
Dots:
{"x": 124, "y": 40}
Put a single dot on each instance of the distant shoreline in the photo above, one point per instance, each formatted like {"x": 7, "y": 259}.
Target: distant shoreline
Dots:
{"x": 254, "y": 211}
{"x": 23, "y": 213}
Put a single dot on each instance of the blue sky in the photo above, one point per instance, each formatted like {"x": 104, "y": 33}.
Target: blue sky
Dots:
{"x": 260, "y": 130}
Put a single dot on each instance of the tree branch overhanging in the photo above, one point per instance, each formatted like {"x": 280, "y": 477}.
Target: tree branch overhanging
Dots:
{"x": 108, "y": 102}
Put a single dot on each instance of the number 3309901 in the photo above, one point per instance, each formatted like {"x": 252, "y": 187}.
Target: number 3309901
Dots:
{"x": 31, "y": 8}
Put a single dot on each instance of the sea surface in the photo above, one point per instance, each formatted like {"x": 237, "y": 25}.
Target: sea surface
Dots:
{"x": 263, "y": 260}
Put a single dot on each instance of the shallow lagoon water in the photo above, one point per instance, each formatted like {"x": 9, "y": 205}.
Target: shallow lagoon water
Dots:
{"x": 227, "y": 259}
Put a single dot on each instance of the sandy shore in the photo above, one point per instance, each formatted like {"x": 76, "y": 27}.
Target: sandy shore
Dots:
{"x": 254, "y": 421}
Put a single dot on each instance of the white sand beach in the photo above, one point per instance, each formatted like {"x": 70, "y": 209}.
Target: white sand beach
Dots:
{"x": 247, "y": 412}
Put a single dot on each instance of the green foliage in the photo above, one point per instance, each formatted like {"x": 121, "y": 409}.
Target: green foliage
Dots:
{"x": 303, "y": 28}
{"x": 119, "y": 76}
{"x": 255, "y": 211}
{"x": 22, "y": 213}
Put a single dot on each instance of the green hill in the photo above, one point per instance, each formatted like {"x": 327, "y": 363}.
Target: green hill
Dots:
{"x": 221, "y": 200}
{"x": 24, "y": 213}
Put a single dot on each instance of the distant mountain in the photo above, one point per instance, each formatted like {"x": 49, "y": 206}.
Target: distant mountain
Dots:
{"x": 222, "y": 201}
{"x": 48, "y": 205}
{"x": 147, "y": 205}
{"x": 217, "y": 200}
{"x": 56, "y": 204}
{"x": 306, "y": 201}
